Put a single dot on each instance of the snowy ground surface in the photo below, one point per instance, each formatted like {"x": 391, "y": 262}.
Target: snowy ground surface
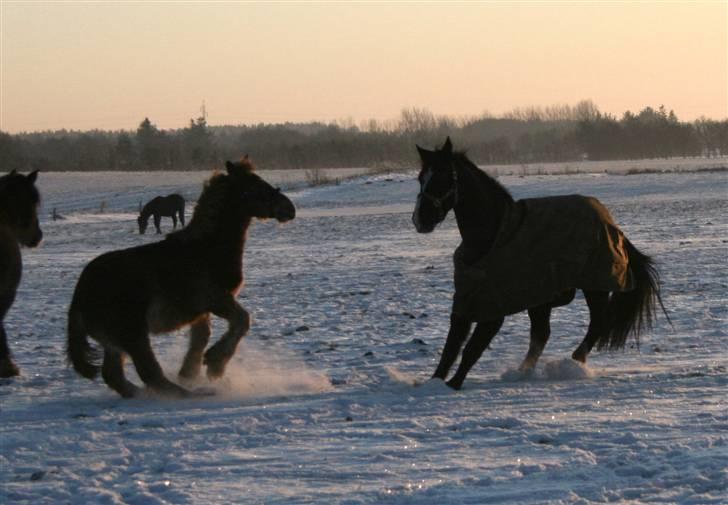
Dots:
{"x": 350, "y": 309}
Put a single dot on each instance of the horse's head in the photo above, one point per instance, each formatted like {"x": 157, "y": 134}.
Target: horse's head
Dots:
{"x": 261, "y": 200}
{"x": 142, "y": 224}
{"x": 438, "y": 187}
{"x": 19, "y": 201}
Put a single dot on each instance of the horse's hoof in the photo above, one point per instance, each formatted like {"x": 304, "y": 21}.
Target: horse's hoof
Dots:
{"x": 526, "y": 371}
{"x": 130, "y": 391}
{"x": 176, "y": 392}
{"x": 454, "y": 385}
{"x": 215, "y": 370}
{"x": 8, "y": 369}
{"x": 189, "y": 374}
{"x": 202, "y": 392}
{"x": 580, "y": 358}
{"x": 215, "y": 360}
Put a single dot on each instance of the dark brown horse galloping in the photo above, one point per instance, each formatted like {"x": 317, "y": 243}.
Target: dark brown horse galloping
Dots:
{"x": 19, "y": 201}
{"x": 162, "y": 206}
{"x": 530, "y": 255}
{"x": 123, "y": 296}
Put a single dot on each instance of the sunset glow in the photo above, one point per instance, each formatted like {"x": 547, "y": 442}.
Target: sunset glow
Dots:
{"x": 87, "y": 65}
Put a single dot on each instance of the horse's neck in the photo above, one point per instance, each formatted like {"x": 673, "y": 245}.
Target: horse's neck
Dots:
{"x": 146, "y": 212}
{"x": 6, "y": 222}
{"x": 231, "y": 235}
{"x": 479, "y": 212}
{"x": 221, "y": 233}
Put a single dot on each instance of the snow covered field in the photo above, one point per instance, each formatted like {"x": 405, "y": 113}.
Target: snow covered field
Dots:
{"x": 350, "y": 308}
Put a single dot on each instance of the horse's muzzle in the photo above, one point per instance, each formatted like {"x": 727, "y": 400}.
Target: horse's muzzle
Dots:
{"x": 35, "y": 240}
{"x": 424, "y": 229}
{"x": 419, "y": 225}
{"x": 286, "y": 214}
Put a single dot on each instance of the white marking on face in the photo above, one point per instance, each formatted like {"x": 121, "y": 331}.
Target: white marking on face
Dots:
{"x": 426, "y": 179}
{"x": 426, "y": 176}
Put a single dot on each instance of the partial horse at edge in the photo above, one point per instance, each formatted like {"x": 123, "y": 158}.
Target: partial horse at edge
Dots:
{"x": 19, "y": 201}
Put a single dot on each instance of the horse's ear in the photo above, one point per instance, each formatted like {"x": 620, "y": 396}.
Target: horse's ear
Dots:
{"x": 33, "y": 176}
{"x": 13, "y": 172}
{"x": 447, "y": 146}
{"x": 424, "y": 153}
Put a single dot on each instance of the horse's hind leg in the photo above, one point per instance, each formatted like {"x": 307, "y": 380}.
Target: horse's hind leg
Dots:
{"x": 597, "y": 301}
{"x": 174, "y": 222}
{"x": 182, "y": 217}
{"x": 7, "y": 367}
{"x": 540, "y": 331}
{"x": 483, "y": 334}
{"x": 459, "y": 329}
{"x": 113, "y": 373}
{"x": 150, "y": 372}
{"x": 217, "y": 356}
{"x": 199, "y": 337}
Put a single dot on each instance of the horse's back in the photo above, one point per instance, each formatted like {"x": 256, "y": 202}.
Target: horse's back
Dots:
{"x": 130, "y": 282}
{"x": 175, "y": 200}
{"x": 566, "y": 208}
{"x": 132, "y": 273}
{"x": 544, "y": 246}
{"x": 168, "y": 205}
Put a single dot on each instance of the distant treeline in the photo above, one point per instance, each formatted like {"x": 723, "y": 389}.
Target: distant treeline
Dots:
{"x": 536, "y": 134}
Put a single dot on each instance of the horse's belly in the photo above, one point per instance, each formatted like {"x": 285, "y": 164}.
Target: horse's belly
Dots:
{"x": 164, "y": 317}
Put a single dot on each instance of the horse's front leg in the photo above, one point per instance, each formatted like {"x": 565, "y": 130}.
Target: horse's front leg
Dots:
{"x": 157, "y": 222}
{"x": 199, "y": 337}
{"x": 7, "y": 367}
{"x": 483, "y": 334}
{"x": 540, "y": 331}
{"x": 459, "y": 329}
{"x": 148, "y": 368}
{"x": 217, "y": 356}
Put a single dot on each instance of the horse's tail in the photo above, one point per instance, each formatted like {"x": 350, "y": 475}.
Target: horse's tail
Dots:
{"x": 632, "y": 312}
{"x": 78, "y": 351}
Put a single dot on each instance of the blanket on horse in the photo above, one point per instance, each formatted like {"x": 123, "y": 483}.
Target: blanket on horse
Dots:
{"x": 544, "y": 247}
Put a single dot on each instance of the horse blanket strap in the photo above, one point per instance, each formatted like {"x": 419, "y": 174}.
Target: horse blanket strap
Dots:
{"x": 544, "y": 247}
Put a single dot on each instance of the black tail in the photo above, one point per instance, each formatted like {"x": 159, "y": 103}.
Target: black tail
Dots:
{"x": 79, "y": 352}
{"x": 633, "y": 312}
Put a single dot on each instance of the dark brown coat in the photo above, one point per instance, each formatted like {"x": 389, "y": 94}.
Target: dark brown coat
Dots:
{"x": 544, "y": 247}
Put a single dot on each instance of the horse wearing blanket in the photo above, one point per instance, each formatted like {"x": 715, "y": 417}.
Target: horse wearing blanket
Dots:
{"x": 530, "y": 255}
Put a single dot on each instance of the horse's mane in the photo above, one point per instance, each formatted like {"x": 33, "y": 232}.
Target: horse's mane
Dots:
{"x": 246, "y": 165}
{"x": 487, "y": 182}
{"x": 8, "y": 179}
{"x": 206, "y": 216}
{"x": 209, "y": 206}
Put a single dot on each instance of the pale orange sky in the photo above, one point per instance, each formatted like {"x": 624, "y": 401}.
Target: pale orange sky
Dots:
{"x": 85, "y": 65}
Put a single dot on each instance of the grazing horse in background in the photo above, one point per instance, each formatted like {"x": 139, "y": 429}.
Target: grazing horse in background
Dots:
{"x": 530, "y": 255}
{"x": 19, "y": 200}
{"x": 123, "y": 296}
{"x": 162, "y": 206}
